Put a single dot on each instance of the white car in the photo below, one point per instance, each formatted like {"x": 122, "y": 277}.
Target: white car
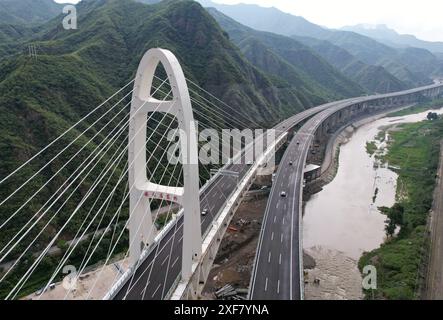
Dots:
{"x": 283, "y": 194}
{"x": 205, "y": 212}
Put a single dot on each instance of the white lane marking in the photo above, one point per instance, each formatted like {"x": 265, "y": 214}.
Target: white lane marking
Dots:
{"x": 269, "y": 257}
{"x": 275, "y": 218}
{"x": 165, "y": 260}
{"x": 283, "y": 220}
{"x": 278, "y": 286}
{"x": 272, "y": 236}
{"x": 278, "y": 204}
{"x": 279, "y": 259}
{"x": 292, "y": 226}
{"x": 175, "y": 261}
{"x": 222, "y": 185}
{"x": 285, "y": 207}
{"x": 156, "y": 290}
{"x": 281, "y": 238}
{"x": 221, "y": 196}
{"x": 266, "y": 284}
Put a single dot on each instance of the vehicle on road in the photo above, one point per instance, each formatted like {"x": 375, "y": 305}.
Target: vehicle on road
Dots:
{"x": 205, "y": 212}
{"x": 290, "y": 163}
{"x": 298, "y": 142}
{"x": 283, "y": 194}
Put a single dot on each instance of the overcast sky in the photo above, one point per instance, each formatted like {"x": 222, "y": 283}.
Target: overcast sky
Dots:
{"x": 422, "y": 18}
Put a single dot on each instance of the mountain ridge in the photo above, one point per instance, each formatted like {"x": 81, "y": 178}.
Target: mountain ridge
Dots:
{"x": 383, "y": 33}
{"x": 75, "y": 70}
{"x": 28, "y": 11}
{"x": 296, "y": 61}
{"x": 363, "y": 48}
{"x": 374, "y": 78}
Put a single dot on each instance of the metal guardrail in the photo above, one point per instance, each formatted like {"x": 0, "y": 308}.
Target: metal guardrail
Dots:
{"x": 119, "y": 284}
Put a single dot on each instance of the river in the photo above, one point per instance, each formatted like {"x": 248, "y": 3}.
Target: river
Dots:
{"x": 342, "y": 221}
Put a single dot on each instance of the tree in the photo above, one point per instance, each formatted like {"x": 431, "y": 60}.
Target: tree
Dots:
{"x": 62, "y": 245}
{"x": 390, "y": 229}
{"x": 395, "y": 214}
{"x": 395, "y": 217}
{"x": 432, "y": 116}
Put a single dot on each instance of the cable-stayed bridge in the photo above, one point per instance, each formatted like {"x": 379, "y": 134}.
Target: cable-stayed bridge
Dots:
{"x": 108, "y": 187}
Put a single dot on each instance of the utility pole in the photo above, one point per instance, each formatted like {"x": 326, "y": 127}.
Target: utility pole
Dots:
{"x": 32, "y": 51}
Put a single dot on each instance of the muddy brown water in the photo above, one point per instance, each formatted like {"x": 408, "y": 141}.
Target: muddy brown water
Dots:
{"x": 342, "y": 221}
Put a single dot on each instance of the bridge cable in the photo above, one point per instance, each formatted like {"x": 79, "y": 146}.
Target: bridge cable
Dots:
{"x": 81, "y": 166}
{"x": 57, "y": 193}
{"x": 60, "y": 169}
{"x": 47, "y": 163}
{"x": 64, "y": 133}
{"x": 78, "y": 208}
{"x": 109, "y": 197}
{"x": 82, "y": 268}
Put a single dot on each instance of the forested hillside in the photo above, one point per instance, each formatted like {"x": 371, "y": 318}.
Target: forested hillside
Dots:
{"x": 28, "y": 11}
{"x": 365, "y": 49}
{"x": 287, "y": 58}
{"x": 72, "y": 71}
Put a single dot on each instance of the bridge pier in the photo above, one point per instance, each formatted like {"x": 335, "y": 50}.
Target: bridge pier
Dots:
{"x": 192, "y": 289}
{"x": 346, "y": 115}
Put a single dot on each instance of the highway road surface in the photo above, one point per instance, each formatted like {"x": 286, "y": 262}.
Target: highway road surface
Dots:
{"x": 157, "y": 273}
{"x": 277, "y": 273}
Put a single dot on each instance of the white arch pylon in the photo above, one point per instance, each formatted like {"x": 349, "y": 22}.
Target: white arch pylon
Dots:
{"x": 141, "y": 224}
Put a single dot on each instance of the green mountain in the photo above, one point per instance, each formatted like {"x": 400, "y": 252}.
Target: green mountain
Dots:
{"x": 372, "y": 78}
{"x": 115, "y": 34}
{"x": 421, "y": 61}
{"x": 390, "y": 37}
{"x": 287, "y": 58}
{"x": 75, "y": 70}
{"x": 10, "y": 32}
{"x": 28, "y": 11}
{"x": 365, "y": 49}
{"x": 372, "y": 52}
{"x": 269, "y": 19}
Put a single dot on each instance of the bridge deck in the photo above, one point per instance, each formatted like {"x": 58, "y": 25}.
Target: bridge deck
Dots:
{"x": 278, "y": 266}
{"x": 156, "y": 274}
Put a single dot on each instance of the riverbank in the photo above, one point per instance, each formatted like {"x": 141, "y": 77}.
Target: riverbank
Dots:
{"x": 413, "y": 150}
{"x": 434, "y": 276}
{"x": 330, "y": 163}
{"x": 343, "y": 220}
